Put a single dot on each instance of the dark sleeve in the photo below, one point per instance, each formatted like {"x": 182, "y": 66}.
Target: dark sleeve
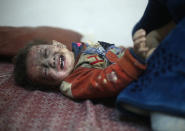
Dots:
{"x": 155, "y": 16}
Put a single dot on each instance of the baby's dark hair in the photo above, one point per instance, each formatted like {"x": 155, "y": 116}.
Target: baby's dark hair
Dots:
{"x": 20, "y": 67}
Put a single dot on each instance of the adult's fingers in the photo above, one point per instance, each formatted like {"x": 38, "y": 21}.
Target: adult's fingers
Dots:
{"x": 143, "y": 49}
{"x": 138, "y": 34}
{"x": 140, "y": 40}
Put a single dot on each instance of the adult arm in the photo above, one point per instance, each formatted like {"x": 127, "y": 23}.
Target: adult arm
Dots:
{"x": 155, "y": 16}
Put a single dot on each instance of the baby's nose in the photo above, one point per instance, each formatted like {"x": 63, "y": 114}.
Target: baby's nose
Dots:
{"x": 50, "y": 62}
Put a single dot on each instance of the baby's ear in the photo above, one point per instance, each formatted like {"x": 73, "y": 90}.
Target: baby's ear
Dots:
{"x": 58, "y": 44}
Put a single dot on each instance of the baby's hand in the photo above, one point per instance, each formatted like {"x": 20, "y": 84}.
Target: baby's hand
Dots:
{"x": 140, "y": 47}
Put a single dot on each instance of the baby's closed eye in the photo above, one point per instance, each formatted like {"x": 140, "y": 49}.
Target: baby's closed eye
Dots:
{"x": 46, "y": 53}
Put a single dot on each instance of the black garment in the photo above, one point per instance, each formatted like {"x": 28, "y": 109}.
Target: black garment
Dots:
{"x": 160, "y": 12}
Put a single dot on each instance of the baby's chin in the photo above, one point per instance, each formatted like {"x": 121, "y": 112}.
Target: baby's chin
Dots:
{"x": 54, "y": 83}
{"x": 60, "y": 76}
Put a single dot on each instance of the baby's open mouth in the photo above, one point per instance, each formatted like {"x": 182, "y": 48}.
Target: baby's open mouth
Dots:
{"x": 61, "y": 61}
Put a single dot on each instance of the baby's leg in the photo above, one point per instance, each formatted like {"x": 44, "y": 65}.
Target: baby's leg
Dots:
{"x": 165, "y": 122}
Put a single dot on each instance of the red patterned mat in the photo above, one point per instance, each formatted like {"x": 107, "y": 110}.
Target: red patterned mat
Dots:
{"x": 24, "y": 110}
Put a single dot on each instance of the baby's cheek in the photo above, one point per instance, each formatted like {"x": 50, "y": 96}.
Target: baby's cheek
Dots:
{"x": 56, "y": 76}
{"x": 52, "y": 75}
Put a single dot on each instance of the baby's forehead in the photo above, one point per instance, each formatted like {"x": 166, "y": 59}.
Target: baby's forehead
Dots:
{"x": 33, "y": 68}
{"x": 36, "y": 49}
{"x": 34, "y": 54}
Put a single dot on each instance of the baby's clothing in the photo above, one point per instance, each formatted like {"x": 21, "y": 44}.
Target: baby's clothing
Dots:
{"x": 101, "y": 70}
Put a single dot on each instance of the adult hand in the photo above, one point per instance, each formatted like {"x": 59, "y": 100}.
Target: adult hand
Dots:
{"x": 140, "y": 46}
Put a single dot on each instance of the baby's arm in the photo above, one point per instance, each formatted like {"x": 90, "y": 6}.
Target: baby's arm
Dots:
{"x": 87, "y": 82}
